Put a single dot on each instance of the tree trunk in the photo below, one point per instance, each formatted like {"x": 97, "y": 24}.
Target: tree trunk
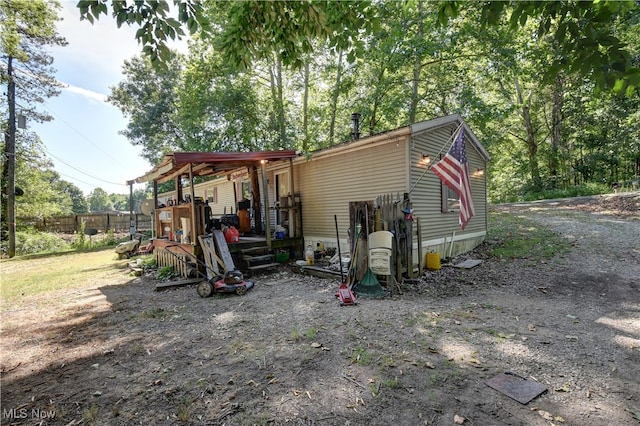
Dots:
{"x": 278, "y": 102}
{"x": 417, "y": 68}
{"x": 334, "y": 100}
{"x": 377, "y": 100}
{"x": 556, "y": 128}
{"x": 305, "y": 109}
{"x": 532, "y": 146}
{"x": 8, "y": 229}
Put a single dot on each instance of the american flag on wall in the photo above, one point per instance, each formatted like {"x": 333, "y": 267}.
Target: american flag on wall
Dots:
{"x": 453, "y": 171}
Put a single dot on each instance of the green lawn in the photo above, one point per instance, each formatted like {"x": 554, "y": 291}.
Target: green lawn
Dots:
{"x": 33, "y": 275}
{"x": 513, "y": 236}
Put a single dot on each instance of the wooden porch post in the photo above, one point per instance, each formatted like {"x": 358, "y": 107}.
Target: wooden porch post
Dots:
{"x": 255, "y": 196}
{"x": 292, "y": 207}
{"x": 193, "y": 238}
{"x": 267, "y": 215}
{"x": 156, "y": 213}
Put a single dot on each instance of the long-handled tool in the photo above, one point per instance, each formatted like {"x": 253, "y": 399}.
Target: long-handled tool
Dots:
{"x": 344, "y": 294}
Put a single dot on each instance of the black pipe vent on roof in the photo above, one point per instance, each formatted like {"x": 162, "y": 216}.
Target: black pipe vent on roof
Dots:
{"x": 355, "y": 126}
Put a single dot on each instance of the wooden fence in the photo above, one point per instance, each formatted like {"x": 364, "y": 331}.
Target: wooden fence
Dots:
{"x": 101, "y": 222}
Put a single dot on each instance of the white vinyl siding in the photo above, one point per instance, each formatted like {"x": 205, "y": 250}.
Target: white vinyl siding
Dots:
{"x": 327, "y": 184}
{"x": 225, "y": 192}
{"x": 426, "y": 196}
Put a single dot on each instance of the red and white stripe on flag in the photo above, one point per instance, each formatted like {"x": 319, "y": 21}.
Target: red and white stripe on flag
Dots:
{"x": 453, "y": 171}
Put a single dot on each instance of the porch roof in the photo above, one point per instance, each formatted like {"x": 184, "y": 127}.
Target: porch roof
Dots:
{"x": 208, "y": 163}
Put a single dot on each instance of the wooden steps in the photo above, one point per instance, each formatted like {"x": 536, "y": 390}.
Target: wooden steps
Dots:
{"x": 259, "y": 258}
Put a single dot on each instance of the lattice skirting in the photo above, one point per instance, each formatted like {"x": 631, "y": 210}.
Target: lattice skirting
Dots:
{"x": 183, "y": 264}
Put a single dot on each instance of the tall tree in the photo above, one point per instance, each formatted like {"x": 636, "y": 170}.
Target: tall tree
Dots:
{"x": 147, "y": 97}
{"x": 588, "y": 42}
{"x": 79, "y": 204}
{"x": 255, "y": 28}
{"x": 99, "y": 201}
{"x": 38, "y": 181}
{"x": 26, "y": 29}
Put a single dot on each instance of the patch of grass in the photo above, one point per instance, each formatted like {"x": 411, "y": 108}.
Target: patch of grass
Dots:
{"x": 311, "y": 333}
{"x": 295, "y": 334}
{"x": 148, "y": 261}
{"x": 184, "y": 412}
{"x": 32, "y": 275}
{"x": 360, "y": 356}
{"x": 90, "y": 414}
{"x": 433, "y": 379}
{"x": 394, "y": 383}
{"x": 388, "y": 361}
{"x": 411, "y": 320}
{"x": 516, "y": 237}
{"x": 154, "y": 313}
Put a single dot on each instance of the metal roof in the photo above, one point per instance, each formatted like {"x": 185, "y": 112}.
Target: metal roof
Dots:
{"x": 208, "y": 163}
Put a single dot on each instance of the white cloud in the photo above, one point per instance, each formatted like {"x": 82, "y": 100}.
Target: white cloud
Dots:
{"x": 90, "y": 94}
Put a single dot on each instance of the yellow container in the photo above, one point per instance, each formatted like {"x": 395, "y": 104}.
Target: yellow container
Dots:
{"x": 433, "y": 261}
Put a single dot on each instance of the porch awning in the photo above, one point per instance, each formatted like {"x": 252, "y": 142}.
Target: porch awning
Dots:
{"x": 208, "y": 163}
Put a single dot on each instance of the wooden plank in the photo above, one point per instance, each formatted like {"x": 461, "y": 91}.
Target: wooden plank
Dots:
{"x": 316, "y": 271}
{"x": 223, "y": 250}
{"x": 210, "y": 257}
{"x": 259, "y": 258}
{"x": 267, "y": 265}
{"x": 174, "y": 284}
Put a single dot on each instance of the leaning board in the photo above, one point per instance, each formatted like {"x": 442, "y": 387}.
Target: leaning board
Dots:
{"x": 223, "y": 250}
{"x": 210, "y": 257}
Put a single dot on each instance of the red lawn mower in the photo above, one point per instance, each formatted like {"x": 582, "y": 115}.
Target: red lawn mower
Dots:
{"x": 231, "y": 282}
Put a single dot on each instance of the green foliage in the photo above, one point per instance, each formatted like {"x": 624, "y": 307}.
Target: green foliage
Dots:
{"x": 149, "y": 262}
{"x": 588, "y": 44}
{"x": 81, "y": 240}
{"x": 99, "y": 201}
{"x": 525, "y": 194}
{"x": 43, "y": 189}
{"x": 548, "y": 128}
{"x": 25, "y": 21}
{"x": 165, "y": 273}
{"x": 30, "y": 241}
{"x": 109, "y": 238}
{"x": 157, "y": 130}
{"x": 156, "y": 26}
{"x": 512, "y": 236}
{"x": 80, "y": 204}
{"x": 257, "y": 29}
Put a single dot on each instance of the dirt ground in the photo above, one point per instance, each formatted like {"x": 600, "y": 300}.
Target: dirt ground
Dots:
{"x": 120, "y": 353}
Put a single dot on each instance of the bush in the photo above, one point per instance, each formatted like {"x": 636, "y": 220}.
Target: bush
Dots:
{"x": 31, "y": 241}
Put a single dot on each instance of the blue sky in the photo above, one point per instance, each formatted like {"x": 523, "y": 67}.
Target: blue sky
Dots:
{"x": 83, "y": 140}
